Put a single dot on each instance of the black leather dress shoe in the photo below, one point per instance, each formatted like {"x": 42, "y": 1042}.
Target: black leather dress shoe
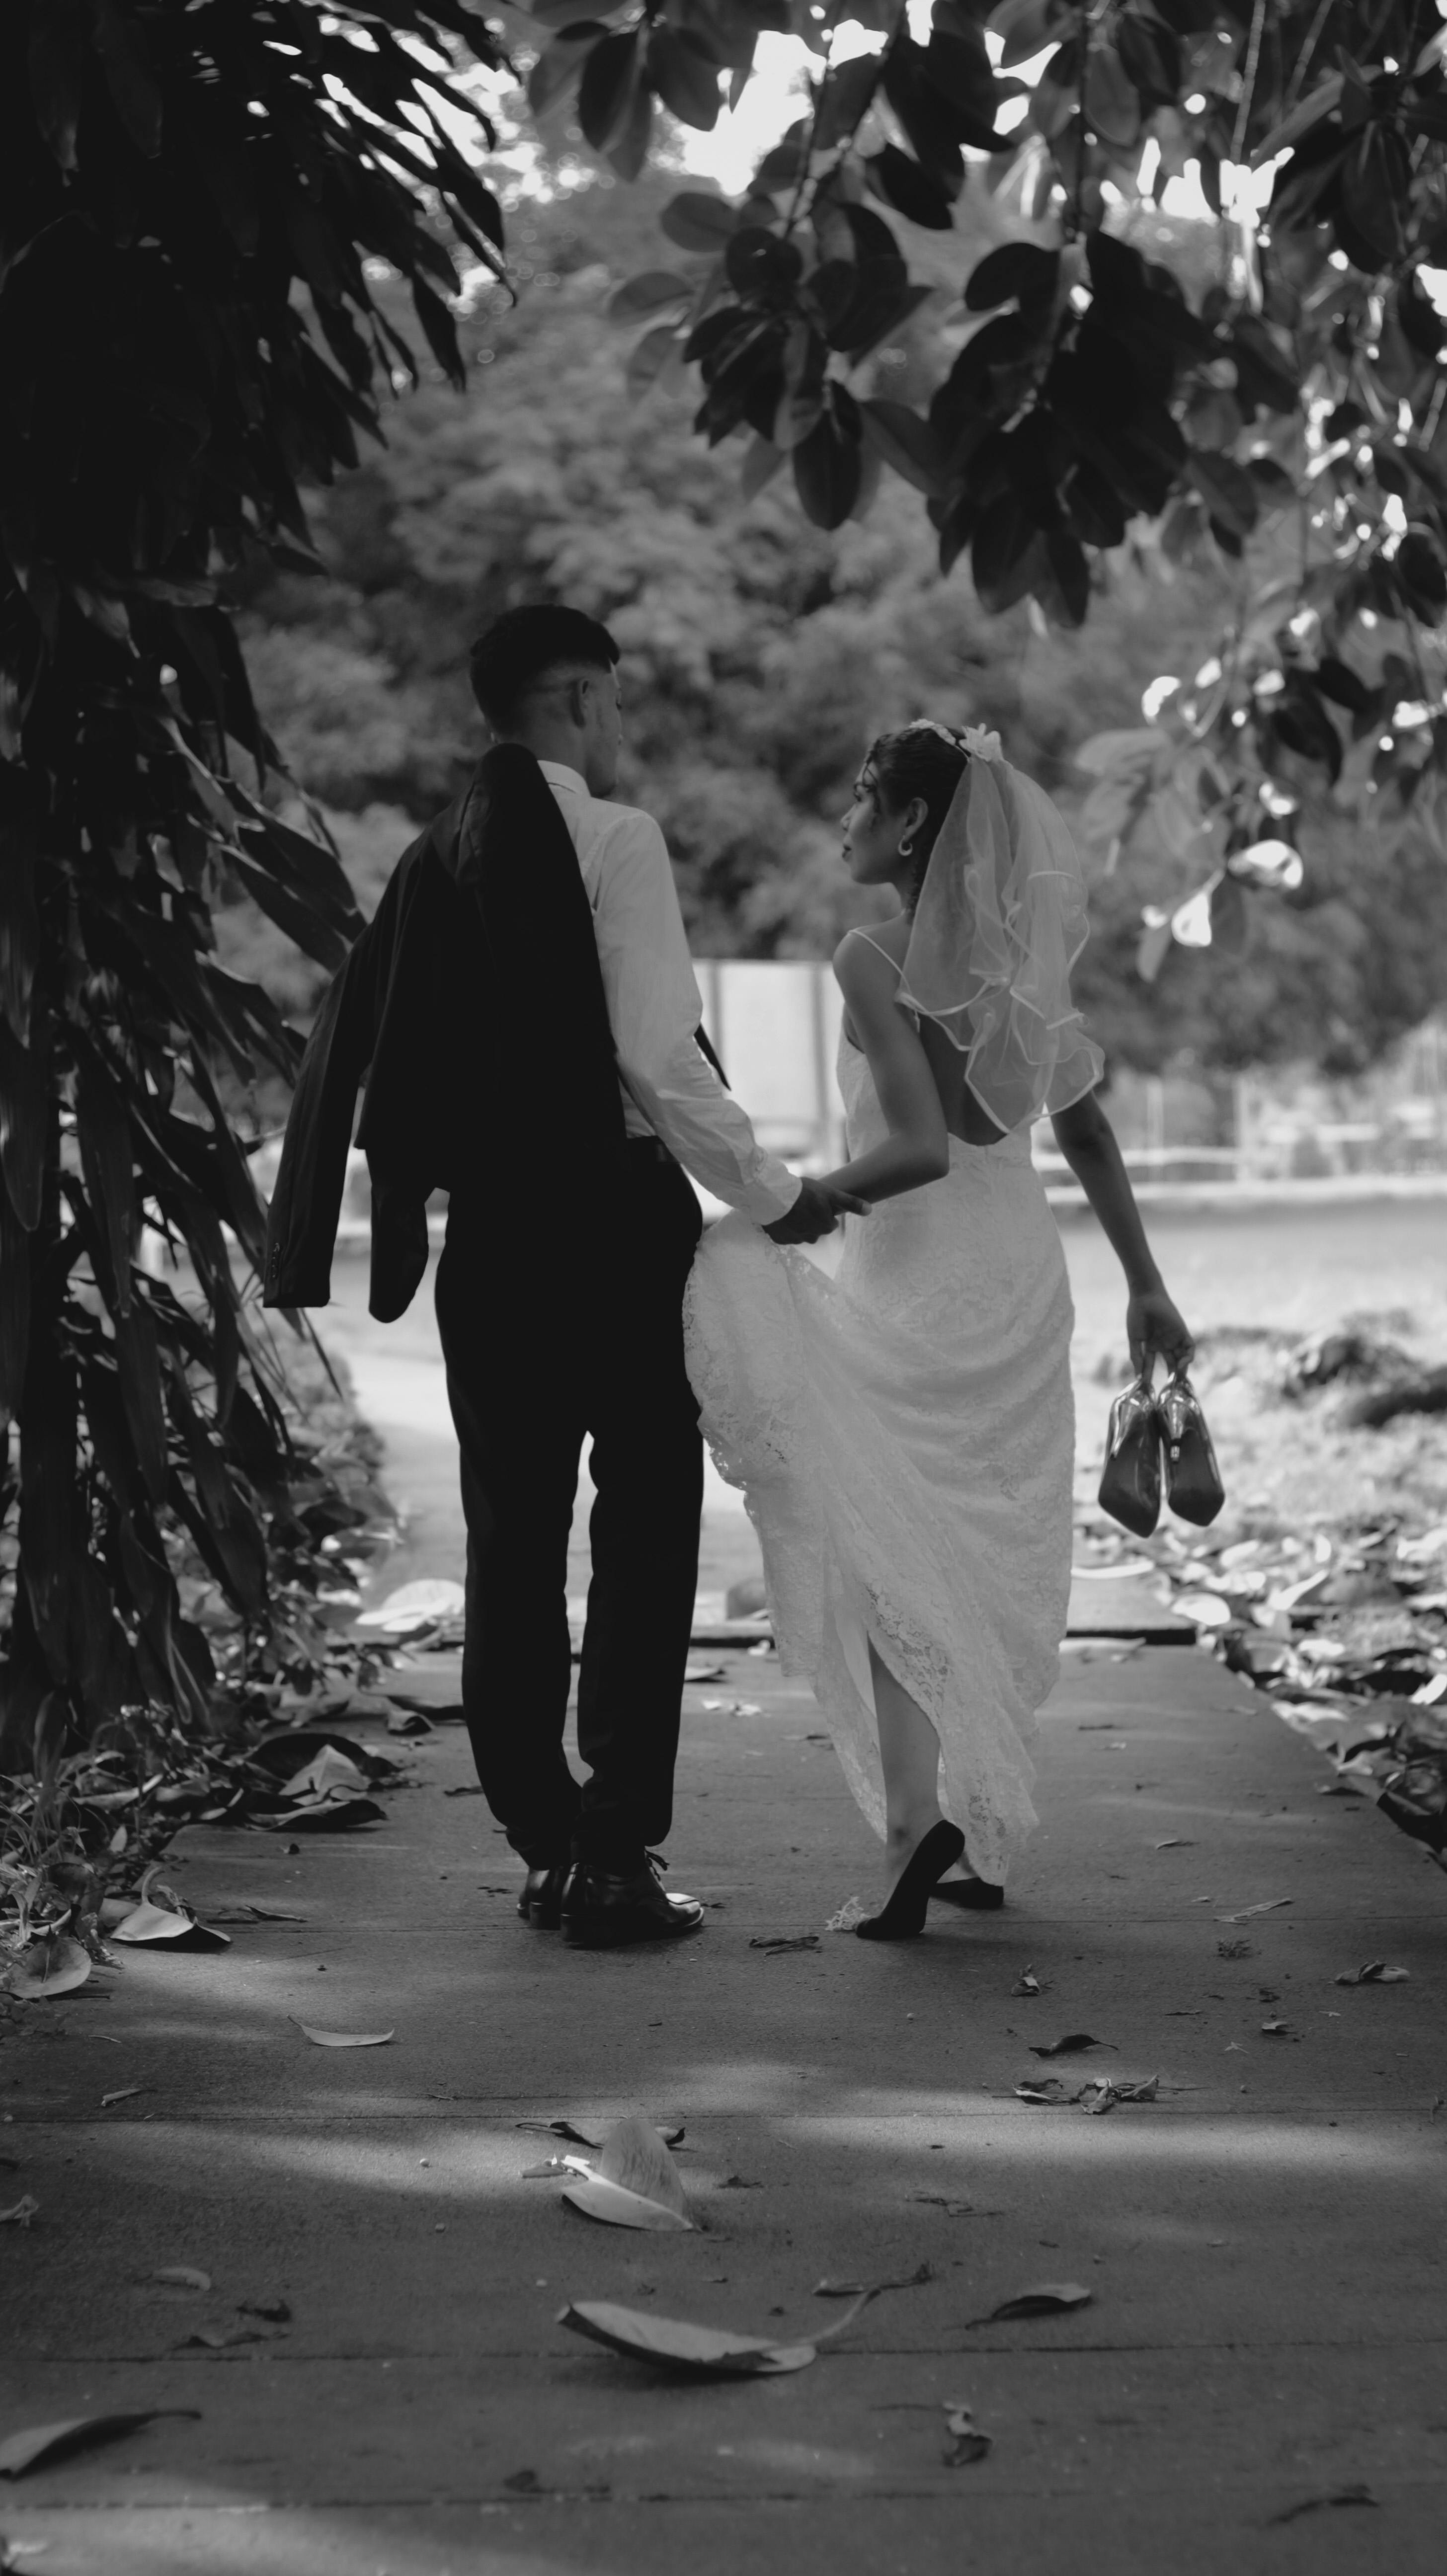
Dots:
{"x": 541, "y": 1902}
{"x": 611, "y": 1910}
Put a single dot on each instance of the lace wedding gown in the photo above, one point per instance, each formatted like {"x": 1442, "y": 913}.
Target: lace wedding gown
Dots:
{"x": 904, "y": 1437}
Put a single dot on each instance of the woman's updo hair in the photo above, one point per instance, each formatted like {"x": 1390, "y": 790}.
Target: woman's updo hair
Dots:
{"x": 920, "y": 760}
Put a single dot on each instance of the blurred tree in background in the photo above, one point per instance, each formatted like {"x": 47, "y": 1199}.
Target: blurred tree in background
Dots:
{"x": 762, "y": 655}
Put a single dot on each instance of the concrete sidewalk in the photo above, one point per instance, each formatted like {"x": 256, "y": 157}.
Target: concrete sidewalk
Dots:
{"x": 1263, "y": 2244}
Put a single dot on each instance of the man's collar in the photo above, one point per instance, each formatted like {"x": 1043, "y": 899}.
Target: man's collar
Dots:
{"x": 557, "y": 774}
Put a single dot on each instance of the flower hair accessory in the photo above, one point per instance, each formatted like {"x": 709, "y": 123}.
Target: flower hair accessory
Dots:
{"x": 971, "y": 739}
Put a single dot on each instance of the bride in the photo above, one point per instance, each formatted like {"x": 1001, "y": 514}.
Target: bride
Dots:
{"x": 904, "y": 1431}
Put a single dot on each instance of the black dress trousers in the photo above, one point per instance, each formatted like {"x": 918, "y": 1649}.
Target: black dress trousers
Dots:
{"x": 547, "y": 1344}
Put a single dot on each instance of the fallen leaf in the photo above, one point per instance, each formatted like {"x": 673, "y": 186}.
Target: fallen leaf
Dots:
{"x": 408, "y": 1721}
{"x": 1102, "y": 2096}
{"x": 703, "y": 2350}
{"x": 598, "y": 2198}
{"x": 805, "y": 1941}
{"x": 669, "y": 2341}
{"x": 1375, "y": 1973}
{"x": 224, "y": 2338}
{"x": 50, "y": 1967}
{"x": 248, "y": 1913}
{"x": 343, "y": 2038}
{"x": 1049, "y": 2089}
{"x": 126, "y": 2093}
{"x": 44, "y": 2442}
{"x": 175, "y": 1924}
{"x": 1274, "y": 2029}
{"x": 416, "y": 1605}
{"x": 1070, "y": 2046}
{"x": 635, "y": 2183}
{"x": 339, "y": 1813}
{"x": 1175, "y": 1842}
{"x": 565, "y": 2129}
{"x": 326, "y": 1771}
{"x": 1029, "y": 1984}
{"x": 1046, "y": 2299}
{"x": 1323, "y": 2503}
{"x": 469, "y": 1789}
{"x": 1270, "y": 1905}
{"x": 20, "y": 2212}
{"x": 184, "y": 2276}
{"x": 733, "y": 1708}
{"x": 967, "y": 2443}
{"x": 706, "y": 1672}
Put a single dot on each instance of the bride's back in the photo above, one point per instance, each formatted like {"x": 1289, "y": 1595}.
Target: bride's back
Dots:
{"x": 963, "y": 1115}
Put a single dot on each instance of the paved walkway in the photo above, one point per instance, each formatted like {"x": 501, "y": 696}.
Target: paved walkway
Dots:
{"x": 1263, "y": 2244}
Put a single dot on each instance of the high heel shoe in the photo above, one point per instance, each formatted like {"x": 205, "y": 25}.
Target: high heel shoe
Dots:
{"x": 976, "y": 1895}
{"x": 903, "y": 1918}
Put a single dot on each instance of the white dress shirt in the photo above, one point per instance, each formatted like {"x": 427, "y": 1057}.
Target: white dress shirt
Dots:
{"x": 670, "y": 1090}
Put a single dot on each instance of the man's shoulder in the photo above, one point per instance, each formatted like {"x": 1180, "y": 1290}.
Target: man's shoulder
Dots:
{"x": 624, "y": 826}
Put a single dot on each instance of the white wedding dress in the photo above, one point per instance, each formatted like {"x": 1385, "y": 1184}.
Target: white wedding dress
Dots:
{"x": 904, "y": 1437}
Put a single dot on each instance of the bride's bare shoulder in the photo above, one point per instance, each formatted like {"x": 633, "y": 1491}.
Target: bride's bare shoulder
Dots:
{"x": 864, "y": 954}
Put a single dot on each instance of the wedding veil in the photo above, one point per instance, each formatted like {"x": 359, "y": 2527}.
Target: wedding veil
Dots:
{"x": 999, "y": 923}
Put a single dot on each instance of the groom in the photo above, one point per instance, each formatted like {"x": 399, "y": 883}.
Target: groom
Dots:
{"x": 525, "y": 1013}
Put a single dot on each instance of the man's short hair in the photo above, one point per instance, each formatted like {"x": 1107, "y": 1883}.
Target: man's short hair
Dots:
{"x": 524, "y": 646}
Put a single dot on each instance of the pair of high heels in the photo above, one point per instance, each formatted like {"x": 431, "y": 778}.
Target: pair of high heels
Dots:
{"x": 923, "y": 1876}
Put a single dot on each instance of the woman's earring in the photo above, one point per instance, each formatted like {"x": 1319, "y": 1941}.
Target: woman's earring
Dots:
{"x": 906, "y": 849}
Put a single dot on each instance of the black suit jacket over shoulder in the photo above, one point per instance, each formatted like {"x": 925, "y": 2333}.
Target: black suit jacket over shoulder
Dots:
{"x": 435, "y": 1007}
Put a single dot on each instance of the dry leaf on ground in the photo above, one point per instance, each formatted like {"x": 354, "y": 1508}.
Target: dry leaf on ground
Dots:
{"x": 1324, "y": 2503}
{"x": 183, "y": 2276}
{"x": 1070, "y": 2046}
{"x": 344, "y": 2038}
{"x": 1045, "y": 2299}
{"x": 149, "y": 1924}
{"x": 41, "y": 2443}
{"x": 635, "y": 2182}
{"x": 326, "y": 1771}
{"x": 1029, "y": 1984}
{"x": 780, "y": 1941}
{"x": 53, "y": 1966}
{"x": 967, "y": 2443}
{"x": 125, "y": 2093}
{"x": 1176, "y": 1842}
{"x": 338, "y": 1813}
{"x": 20, "y": 2212}
{"x": 1375, "y": 1973}
{"x": 415, "y": 1605}
{"x": 245, "y": 1912}
{"x": 677, "y": 2345}
{"x": 1270, "y": 1905}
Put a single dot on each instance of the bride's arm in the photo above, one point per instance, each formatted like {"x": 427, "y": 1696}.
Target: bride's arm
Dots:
{"x": 1087, "y": 1140}
{"x": 917, "y": 1148}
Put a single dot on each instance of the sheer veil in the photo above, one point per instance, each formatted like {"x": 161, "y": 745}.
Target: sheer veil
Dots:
{"x": 1000, "y": 921}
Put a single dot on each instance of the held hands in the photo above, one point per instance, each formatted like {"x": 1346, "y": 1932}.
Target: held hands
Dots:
{"x": 1154, "y": 1324}
{"x": 815, "y": 1211}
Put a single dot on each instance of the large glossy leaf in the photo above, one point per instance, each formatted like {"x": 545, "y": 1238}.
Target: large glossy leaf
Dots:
{"x": 827, "y": 472}
{"x": 24, "y": 1125}
{"x": 698, "y": 223}
{"x": 14, "y": 1308}
{"x": 685, "y": 76}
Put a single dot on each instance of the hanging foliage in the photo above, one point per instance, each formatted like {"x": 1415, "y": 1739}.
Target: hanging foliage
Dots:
{"x": 1270, "y": 391}
{"x": 193, "y": 199}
